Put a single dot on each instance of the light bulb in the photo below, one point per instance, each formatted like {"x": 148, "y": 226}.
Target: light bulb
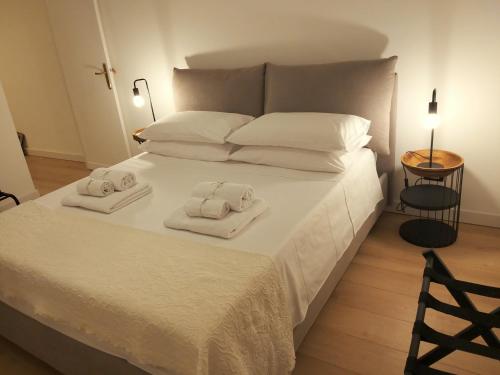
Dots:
{"x": 432, "y": 121}
{"x": 138, "y": 101}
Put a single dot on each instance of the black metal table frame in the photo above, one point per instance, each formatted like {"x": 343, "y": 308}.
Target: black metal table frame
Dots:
{"x": 437, "y": 223}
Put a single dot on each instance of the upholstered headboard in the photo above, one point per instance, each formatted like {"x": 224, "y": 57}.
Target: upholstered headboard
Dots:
{"x": 221, "y": 90}
{"x": 364, "y": 88}
{"x": 387, "y": 163}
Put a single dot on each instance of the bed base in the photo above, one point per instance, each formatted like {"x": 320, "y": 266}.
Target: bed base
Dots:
{"x": 70, "y": 356}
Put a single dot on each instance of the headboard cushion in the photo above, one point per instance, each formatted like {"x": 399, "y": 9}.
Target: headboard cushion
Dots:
{"x": 221, "y": 90}
{"x": 387, "y": 163}
{"x": 362, "y": 88}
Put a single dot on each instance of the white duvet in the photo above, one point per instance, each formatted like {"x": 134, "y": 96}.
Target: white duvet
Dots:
{"x": 311, "y": 219}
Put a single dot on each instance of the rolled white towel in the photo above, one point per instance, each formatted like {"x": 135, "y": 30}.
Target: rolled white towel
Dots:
{"x": 239, "y": 196}
{"x": 210, "y": 208}
{"x": 95, "y": 188}
{"x": 122, "y": 180}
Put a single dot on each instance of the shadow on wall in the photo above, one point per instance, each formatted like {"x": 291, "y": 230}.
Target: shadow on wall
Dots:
{"x": 306, "y": 41}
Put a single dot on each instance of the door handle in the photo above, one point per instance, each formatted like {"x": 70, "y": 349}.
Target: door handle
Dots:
{"x": 105, "y": 71}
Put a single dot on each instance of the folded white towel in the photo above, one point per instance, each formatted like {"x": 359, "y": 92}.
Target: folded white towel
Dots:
{"x": 122, "y": 180}
{"x": 110, "y": 203}
{"x": 211, "y": 208}
{"x": 239, "y": 196}
{"x": 95, "y": 188}
{"x": 227, "y": 227}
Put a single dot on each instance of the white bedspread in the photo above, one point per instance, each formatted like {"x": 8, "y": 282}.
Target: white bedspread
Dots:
{"x": 169, "y": 305}
{"x": 311, "y": 220}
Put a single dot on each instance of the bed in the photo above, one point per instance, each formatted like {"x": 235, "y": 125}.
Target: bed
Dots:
{"x": 313, "y": 229}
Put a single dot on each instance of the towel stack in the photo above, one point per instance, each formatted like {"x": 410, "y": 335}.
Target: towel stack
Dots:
{"x": 106, "y": 190}
{"x": 215, "y": 199}
{"x": 219, "y": 209}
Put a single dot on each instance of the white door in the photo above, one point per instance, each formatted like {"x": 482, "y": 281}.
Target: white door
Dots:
{"x": 82, "y": 51}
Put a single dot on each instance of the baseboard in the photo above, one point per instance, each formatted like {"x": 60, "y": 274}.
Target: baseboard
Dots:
{"x": 466, "y": 216}
{"x": 480, "y": 218}
{"x": 9, "y": 203}
{"x": 55, "y": 154}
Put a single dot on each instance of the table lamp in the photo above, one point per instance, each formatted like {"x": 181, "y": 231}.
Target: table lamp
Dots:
{"x": 432, "y": 122}
{"x": 138, "y": 100}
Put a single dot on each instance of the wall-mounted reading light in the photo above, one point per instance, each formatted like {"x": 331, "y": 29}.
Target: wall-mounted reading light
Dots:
{"x": 138, "y": 100}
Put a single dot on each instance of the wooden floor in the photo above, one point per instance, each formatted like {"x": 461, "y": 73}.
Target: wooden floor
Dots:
{"x": 365, "y": 326}
{"x": 50, "y": 174}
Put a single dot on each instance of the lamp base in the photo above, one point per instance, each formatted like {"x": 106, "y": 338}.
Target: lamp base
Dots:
{"x": 426, "y": 164}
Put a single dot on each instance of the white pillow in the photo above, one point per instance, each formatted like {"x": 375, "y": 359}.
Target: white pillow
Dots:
{"x": 189, "y": 150}
{"x": 304, "y": 130}
{"x": 195, "y": 126}
{"x": 293, "y": 158}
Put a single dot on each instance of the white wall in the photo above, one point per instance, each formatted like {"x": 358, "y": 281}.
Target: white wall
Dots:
{"x": 450, "y": 45}
{"x": 15, "y": 177}
{"x": 33, "y": 81}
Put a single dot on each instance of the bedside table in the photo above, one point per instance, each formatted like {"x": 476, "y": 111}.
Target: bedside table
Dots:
{"x": 135, "y": 136}
{"x": 436, "y": 194}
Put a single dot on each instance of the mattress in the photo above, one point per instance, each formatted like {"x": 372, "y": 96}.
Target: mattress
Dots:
{"x": 312, "y": 219}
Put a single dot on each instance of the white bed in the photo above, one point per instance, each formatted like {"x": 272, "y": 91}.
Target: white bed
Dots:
{"x": 312, "y": 218}
{"x": 314, "y": 226}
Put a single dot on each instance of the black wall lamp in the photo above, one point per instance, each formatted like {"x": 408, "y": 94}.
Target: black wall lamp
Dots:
{"x": 139, "y": 100}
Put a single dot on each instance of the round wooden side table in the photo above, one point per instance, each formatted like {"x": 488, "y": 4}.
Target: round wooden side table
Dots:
{"x": 136, "y": 136}
{"x": 436, "y": 194}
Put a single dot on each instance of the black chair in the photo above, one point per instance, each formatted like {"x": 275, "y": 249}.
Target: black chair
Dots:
{"x": 482, "y": 324}
{"x": 4, "y": 196}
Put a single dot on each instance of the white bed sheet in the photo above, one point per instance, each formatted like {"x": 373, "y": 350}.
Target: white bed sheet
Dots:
{"x": 311, "y": 221}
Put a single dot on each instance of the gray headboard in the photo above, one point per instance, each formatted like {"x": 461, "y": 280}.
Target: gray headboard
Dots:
{"x": 365, "y": 88}
{"x": 386, "y": 163}
{"x": 221, "y": 90}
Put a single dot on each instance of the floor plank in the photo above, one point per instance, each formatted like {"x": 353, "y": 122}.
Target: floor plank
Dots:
{"x": 307, "y": 365}
{"x": 14, "y": 360}
{"x": 369, "y": 317}
{"x": 365, "y": 328}
{"x": 50, "y": 174}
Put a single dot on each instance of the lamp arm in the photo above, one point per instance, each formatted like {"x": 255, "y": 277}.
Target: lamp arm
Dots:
{"x": 149, "y": 95}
